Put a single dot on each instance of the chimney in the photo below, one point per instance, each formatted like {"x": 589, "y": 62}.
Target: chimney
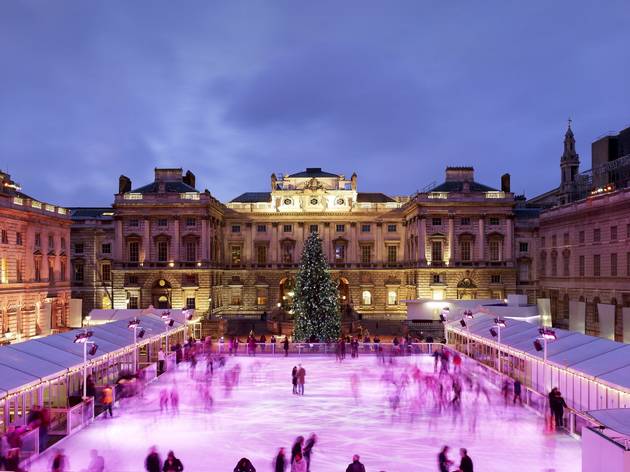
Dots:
{"x": 124, "y": 184}
{"x": 505, "y": 183}
{"x": 189, "y": 179}
{"x": 353, "y": 180}
{"x": 274, "y": 179}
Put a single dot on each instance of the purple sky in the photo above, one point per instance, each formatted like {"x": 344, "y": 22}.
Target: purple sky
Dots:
{"x": 234, "y": 91}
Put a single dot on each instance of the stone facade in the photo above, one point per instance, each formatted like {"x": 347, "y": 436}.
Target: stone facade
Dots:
{"x": 34, "y": 265}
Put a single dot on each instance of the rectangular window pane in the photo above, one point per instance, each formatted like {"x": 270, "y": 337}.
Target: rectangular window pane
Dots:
{"x": 392, "y": 253}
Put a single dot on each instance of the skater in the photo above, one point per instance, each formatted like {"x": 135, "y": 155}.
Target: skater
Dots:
{"x": 172, "y": 463}
{"x": 280, "y": 462}
{"x": 457, "y": 363}
{"x": 517, "y": 392}
{"x": 178, "y": 353}
{"x": 244, "y": 465}
{"x": 161, "y": 361}
{"x": 163, "y": 400}
{"x": 436, "y": 360}
{"x": 301, "y": 375}
{"x": 175, "y": 401}
{"x": 557, "y": 407}
{"x": 59, "y": 462}
{"x": 299, "y": 464}
{"x": 297, "y": 448}
{"x": 466, "y": 464}
{"x": 356, "y": 466}
{"x": 505, "y": 391}
{"x": 97, "y": 463}
{"x": 308, "y": 450}
{"x": 444, "y": 463}
{"x": 294, "y": 379}
{"x": 153, "y": 461}
{"x": 286, "y": 347}
{"x": 108, "y": 400}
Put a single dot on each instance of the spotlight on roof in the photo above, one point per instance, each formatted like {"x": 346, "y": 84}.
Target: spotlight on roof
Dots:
{"x": 442, "y": 318}
{"x": 493, "y": 332}
{"x": 463, "y": 323}
{"x": 548, "y": 334}
{"x": 500, "y": 322}
{"x": 141, "y": 333}
{"x": 133, "y": 323}
{"x": 538, "y": 345}
{"x": 469, "y": 314}
{"x": 171, "y": 323}
{"x": 83, "y": 337}
{"x": 93, "y": 349}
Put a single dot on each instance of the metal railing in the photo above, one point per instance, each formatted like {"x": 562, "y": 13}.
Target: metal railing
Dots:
{"x": 306, "y": 348}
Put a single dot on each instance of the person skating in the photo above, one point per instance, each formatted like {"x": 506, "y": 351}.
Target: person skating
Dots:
{"x": 161, "y": 361}
{"x": 356, "y": 466}
{"x": 301, "y": 379}
{"x": 286, "y": 346}
{"x": 297, "y": 448}
{"x": 172, "y": 463}
{"x": 97, "y": 463}
{"x": 108, "y": 400}
{"x": 244, "y": 465}
{"x": 153, "y": 461}
{"x": 466, "y": 463}
{"x": 299, "y": 464}
{"x": 517, "y": 392}
{"x": 294, "y": 380}
{"x": 557, "y": 406}
{"x": 59, "y": 462}
{"x": 308, "y": 450}
{"x": 444, "y": 463}
{"x": 280, "y": 462}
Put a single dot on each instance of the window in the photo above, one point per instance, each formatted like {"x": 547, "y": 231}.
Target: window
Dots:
{"x": 4, "y": 273}
{"x": 582, "y": 266}
{"x": 366, "y": 297}
{"x": 236, "y": 228}
{"x": 62, "y": 271}
{"x": 132, "y": 280}
{"x": 565, "y": 239}
{"x": 191, "y": 221}
{"x": 495, "y": 250}
{"x": 134, "y": 223}
{"x": 78, "y": 272}
{"x": 437, "y": 278}
{"x": 313, "y": 229}
{"x": 162, "y": 251}
{"x": 235, "y": 298}
{"x": 261, "y": 296}
{"x": 613, "y": 233}
{"x": 106, "y": 248}
{"x": 465, "y": 250}
{"x": 523, "y": 247}
{"x": 366, "y": 254}
{"x": 38, "y": 240}
{"x": 261, "y": 254}
{"x": 597, "y": 235}
{"x": 565, "y": 265}
{"x": 613, "y": 264}
{"x": 38, "y": 270}
{"x": 261, "y": 228}
{"x": 134, "y": 251}
{"x": 523, "y": 272}
{"x": 554, "y": 265}
{"x": 436, "y": 221}
{"x": 436, "y": 251}
{"x": 18, "y": 269}
{"x": 18, "y": 239}
{"x": 392, "y": 253}
{"x": 190, "y": 303}
{"x": 365, "y": 228}
{"x": 628, "y": 264}
{"x": 236, "y": 254}
{"x": 543, "y": 264}
{"x": 495, "y": 279}
{"x": 287, "y": 252}
{"x": 78, "y": 248}
{"x": 106, "y": 272}
{"x": 133, "y": 302}
{"x": 542, "y": 241}
{"x": 51, "y": 270}
{"x": 163, "y": 222}
{"x": 465, "y": 221}
{"x": 392, "y": 297}
{"x": 494, "y": 220}
{"x": 191, "y": 251}
{"x": 287, "y": 228}
{"x": 391, "y": 228}
{"x": 5, "y": 237}
{"x": 597, "y": 265}
{"x": 340, "y": 228}
{"x": 340, "y": 251}
{"x": 554, "y": 241}
{"x": 51, "y": 241}
{"x": 581, "y": 237}
{"x": 628, "y": 231}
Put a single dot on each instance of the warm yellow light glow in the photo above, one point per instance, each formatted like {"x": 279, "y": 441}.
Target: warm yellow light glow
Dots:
{"x": 438, "y": 294}
{"x": 171, "y": 264}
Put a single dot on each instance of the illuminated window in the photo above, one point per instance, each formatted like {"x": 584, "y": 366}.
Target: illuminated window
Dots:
{"x": 340, "y": 251}
{"x": 392, "y": 297}
{"x": 4, "y": 273}
{"x": 236, "y": 254}
{"x": 261, "y": 296}
{"x": 366, "y": 297}
{"x": 235, "y": 298}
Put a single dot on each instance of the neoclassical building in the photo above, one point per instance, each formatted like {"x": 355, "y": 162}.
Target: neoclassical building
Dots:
{"x": 168, "y": 244}
{"x": 34, "y": 264}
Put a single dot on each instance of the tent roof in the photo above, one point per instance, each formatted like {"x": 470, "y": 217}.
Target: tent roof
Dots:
{"x": 617, "y": 419}
{"x": 31, "y": 365}
{"x": 12, "y": 379}
{"x": 595, "y": 357}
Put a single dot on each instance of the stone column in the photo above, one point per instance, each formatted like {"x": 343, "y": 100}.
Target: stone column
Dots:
{"x": 204, "y": 240}
{"x": 145, "y": 249}
{"x": 451, "y": 239}
{"x": 422, "y": 239}
{"x": 403, "y": 243}
{"x": 379, "y": 242}
{"x": 508, "y": 254}
{"x": 118, "y": 240}
{"x": 481, "y": 240}
{"x": 273, "y": 257}
{"x": 176, "y": 241}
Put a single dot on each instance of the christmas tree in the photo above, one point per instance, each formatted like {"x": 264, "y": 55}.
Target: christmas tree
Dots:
{"x": 315, "y": 302}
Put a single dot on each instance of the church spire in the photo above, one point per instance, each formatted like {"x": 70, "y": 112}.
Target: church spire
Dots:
{"x": 569, "y": 165}
{"x": 569, "y": 144}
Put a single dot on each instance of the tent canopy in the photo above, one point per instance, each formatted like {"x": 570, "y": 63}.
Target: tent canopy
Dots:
{"x": 617, "y": 419}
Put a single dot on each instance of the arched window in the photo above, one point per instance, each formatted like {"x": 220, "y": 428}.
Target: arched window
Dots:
{"x": 392, "y": 297}
{"x": 366, "y": 297}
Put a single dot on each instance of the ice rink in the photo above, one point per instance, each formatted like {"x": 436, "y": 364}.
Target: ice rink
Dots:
{"x": 261, "y": 414}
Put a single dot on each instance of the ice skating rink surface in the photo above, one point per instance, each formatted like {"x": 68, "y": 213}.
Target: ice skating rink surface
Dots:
{"x": 261, "y": 414}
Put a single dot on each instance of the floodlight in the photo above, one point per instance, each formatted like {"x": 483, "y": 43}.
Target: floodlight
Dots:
{"x": 463, "y": 323}
{"x": 493, "y": 332}
{"x": 171, "y": 323}
{"x": 133, "y": 323}
{"x": 500, "y": 322}
{"x": 141, "y": 333}
{"x": 548, "y": 334}
{"x": 538, "y": 345}
{"x": 93, "y": 349}
{"x": 468, "y": 314}
{"x": 442, "y": 318}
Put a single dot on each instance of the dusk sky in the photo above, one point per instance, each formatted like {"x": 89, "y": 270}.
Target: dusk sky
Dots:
{"x": 234, "y": 91}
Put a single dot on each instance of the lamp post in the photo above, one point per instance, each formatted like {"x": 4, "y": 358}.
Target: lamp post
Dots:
{"x": 84, "y": 338}
{"x": 444, "y": 320}
{"x": 134, "y": 325}
{"x": 498, "y": 324}
{"x": 468, "y": 315}
{"x": 546, "y": 335}
{"x": 168, "y": 322}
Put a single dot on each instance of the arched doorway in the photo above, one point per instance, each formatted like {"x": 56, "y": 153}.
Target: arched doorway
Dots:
{"x": 286, "y": 292}
{"x": 161, "y": 294}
